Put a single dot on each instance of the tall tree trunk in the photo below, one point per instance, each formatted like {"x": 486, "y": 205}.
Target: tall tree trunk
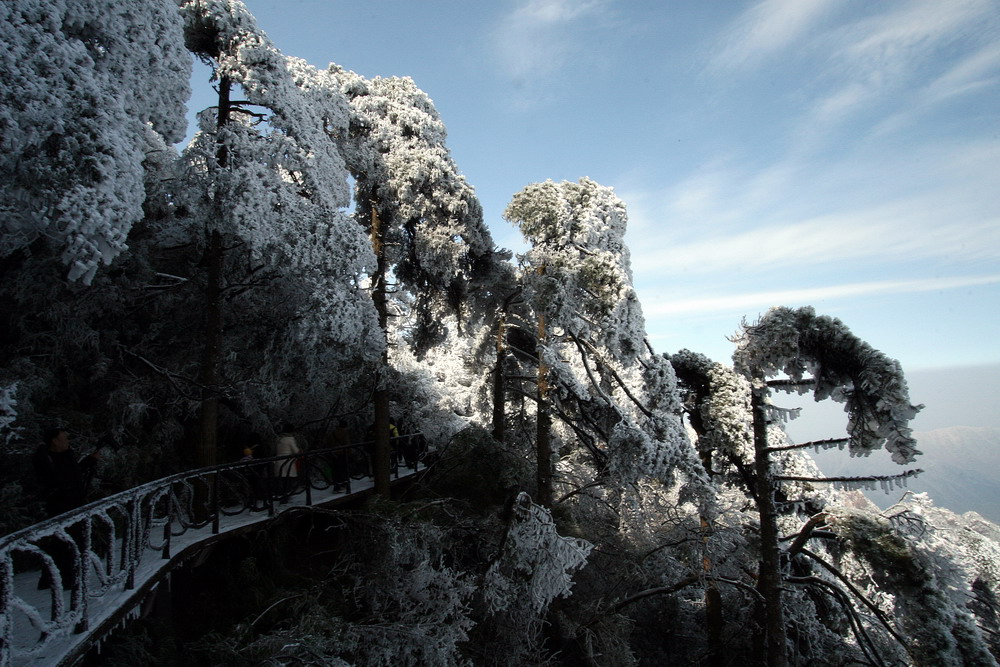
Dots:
{"x": 381, "y": 462}
{"x": 769, "y": 578}
{"x": 543, "y": 437}
{"x": 208, "y": 418}
{"x": 206, "y": 453}
{"x": 714, "y": 622}
{"x": 499, "y": 393}
{"x": 713, "y": 603}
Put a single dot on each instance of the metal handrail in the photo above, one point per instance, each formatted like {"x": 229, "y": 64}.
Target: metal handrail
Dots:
{"x": 105, "y": 544}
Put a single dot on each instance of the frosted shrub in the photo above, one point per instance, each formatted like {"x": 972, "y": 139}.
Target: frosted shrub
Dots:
{"x": 535, "y": 564}
{"x": 420, "y": 603}
{"x": 939, "y": 629}
{"x": 8, "y": 413}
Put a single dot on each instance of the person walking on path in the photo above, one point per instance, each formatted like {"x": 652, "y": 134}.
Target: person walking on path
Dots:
{"x": 62, "y": 475}
{"x": 63, "y": 478}
{"x": 285, "y": 470}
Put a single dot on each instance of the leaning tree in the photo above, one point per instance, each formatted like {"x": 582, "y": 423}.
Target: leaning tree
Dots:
{"x": 423, "y": 219}
{"x": 263, "y": 191}
{"x": 817, "y": 353}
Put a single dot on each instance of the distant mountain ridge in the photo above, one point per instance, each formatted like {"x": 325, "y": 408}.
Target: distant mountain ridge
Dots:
{"x": 961, "y": 469}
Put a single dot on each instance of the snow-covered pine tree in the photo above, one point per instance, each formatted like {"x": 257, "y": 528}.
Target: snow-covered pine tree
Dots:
{"x": 590, "y": 336}
{"x": 91, "y": 91}
{"x": 717, "y": 403}
{"x": 265, "y": 190}
{"x": 840, "y": 366}
{"x": 922, "y": 563}
{"x": 423, "y": 219}
{"x": 77, "y": 101}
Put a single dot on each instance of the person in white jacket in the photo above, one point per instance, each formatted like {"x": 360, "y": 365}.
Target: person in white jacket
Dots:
{"x": 286, "y": 470}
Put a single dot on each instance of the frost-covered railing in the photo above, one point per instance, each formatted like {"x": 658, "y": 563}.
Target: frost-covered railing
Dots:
{"x": 62, "y": 577}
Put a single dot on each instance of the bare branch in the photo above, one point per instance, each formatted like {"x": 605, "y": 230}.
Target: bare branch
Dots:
{"x": 649, "y": 592}
{"x": 171, "y": 377}
{"x": 590, "y": 485}
{"x": 806, "y": 533}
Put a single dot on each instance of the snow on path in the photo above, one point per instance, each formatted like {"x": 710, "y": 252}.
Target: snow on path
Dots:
{"x": 27, "y": 608}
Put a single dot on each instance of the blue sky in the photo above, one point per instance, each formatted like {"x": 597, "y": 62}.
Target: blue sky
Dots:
{"x": 842, "y": 154}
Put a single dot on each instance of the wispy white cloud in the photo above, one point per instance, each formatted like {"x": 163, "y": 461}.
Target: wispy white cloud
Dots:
{"x": 899, "y": 40}
{"x": 975, "y": 72}
{"x": 759, "y": 301}
{"x": 887, "y": 54}
{"x": 860, "y": 62}
{"x": 932, "y": 203}
{"x": 535, "y": 39}
{"x": 766, "y": 29}
{"x": 881, "y": 234}
{"x": 978, "y": 72}
{"x": 552, "y": 12}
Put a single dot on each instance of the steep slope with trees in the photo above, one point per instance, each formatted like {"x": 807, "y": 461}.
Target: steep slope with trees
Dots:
{"x": 179, "y": 305}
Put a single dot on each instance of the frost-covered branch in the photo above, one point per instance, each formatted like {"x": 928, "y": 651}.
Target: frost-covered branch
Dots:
{"x": 792, "y": 385}
{"x": 887, "y": 482}
{"x": 843, "y": 367}
{"x": 779, "y": 415}
{"x": 8, "y": 412}
{"x": 599, "y": 456}
{"x": 590, "y": 485}
{"x": 864, "y": 640}
{"x": 535, "y": 562}
{"x": 621, "y": 383}
{"x": 815, "y": 444}
{"x": 590, "y": 373}
{"x": 856, "y": 592}
{"x": 683, "y": 583}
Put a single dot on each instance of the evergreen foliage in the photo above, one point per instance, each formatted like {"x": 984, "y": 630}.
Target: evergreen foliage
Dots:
{"x": 322, "y": 218}
{"x": 77, "y": 104}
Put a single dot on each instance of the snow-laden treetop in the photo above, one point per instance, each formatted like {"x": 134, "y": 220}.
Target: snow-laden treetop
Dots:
{"x": 79, "y": 107}
{"x": 396, "y": 151}
{"x": 301, "y": 102}
{"x": 720, "y": 410}
{"x": 843, "y": 367}
{"x": 580, "y": 274}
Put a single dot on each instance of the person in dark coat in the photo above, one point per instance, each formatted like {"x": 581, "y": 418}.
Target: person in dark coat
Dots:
{"x": 63, "y": 478}
{"x": 62, "y": 475}
{"x": 339, "y": 439}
